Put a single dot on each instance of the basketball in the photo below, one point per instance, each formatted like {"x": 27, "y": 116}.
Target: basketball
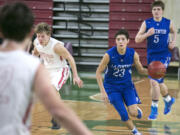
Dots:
{"x": 156, "y": 70}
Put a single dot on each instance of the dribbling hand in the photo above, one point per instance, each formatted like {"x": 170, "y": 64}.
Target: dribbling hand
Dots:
{"x": 78, "y": 81}
{"x": 105, "y": 98}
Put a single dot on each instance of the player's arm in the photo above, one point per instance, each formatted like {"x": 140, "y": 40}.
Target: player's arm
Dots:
{"x": 47, "y": 95}
{"x": 173, "y": 36}
{"x": 102, "y": 66}
{"x": 138, "y": 65}
{"x": 142, "y": 34}
{"x": 35, "y": 51}
{"x": 62, "y": 51}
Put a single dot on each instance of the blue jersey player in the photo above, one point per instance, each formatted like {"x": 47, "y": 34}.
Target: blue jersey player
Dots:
{"x": 156, "y": 30}
{"x": 118, "y": 88}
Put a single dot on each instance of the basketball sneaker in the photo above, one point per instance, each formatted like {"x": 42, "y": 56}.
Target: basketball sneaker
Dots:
{"x": 154, "y": 113}
{"x": 139, "y": 116}
{"x": 136, "y": 132}
{"x": 54, "y": 124}
{"x": 168, "y": 105}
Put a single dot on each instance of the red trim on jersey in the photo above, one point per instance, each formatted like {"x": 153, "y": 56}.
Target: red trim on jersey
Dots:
{"x": 62, "y": 76}
{"x": 66, "y": 79}
{"x": 67, "y": 71}
{"x": 27, "y": 112}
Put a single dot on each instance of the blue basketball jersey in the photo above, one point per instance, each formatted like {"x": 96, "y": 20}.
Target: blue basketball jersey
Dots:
{"x": 157, "y": 44}
{"x": 118, "y": 72}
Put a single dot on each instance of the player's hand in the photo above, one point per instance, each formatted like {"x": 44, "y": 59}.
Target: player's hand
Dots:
{"x": 150, "y": 32}
{"x": 171, "y": 45}
{"x": 104, "y": 97}
{"x": 78, "y": 81}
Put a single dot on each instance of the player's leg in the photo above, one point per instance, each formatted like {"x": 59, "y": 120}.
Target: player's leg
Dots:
{"x": 168, "y": 100}
{"x": 58, "y": 79}
{"x": 155, "y": 91}
{"x": 135, "y": 111}
{"x": 116, "y": 100}
{"x": 131, "y": 100}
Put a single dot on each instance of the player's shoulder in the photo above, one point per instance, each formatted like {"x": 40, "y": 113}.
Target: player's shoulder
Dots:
{"x": 166, "y": 19}
{"x": 56, "y": 41}
{"x": 26, "y": 57}
{"x": 130, "y": 49}
{"x": 112, "y": 49}
{"x": 149, "y": 19}
{"x": 35, "y": 42}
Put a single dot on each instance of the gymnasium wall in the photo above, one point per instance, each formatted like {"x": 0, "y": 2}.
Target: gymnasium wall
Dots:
{"x": 172, "y": 11}
{"x": 42, "y": 9}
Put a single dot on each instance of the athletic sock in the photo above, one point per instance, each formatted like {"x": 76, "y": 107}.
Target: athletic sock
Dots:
{"x": 154, "y": 103}
{"x": 167, "y": 98}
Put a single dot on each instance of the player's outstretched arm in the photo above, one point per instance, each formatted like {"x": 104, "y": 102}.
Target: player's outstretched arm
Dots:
{"x": 142, "y": 34}
{"x": 47, "y": 94}
{"x": 138, "y": 65}
{"x": 62, "y": 51}
{"x": 172, "y": 43}
{"x": 100, "y": 69}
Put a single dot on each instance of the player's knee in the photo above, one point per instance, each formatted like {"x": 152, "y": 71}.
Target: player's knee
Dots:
{"x": 154, "y": 83}
{"x": 133, "y": 112}
{"x": 124, "y": 116}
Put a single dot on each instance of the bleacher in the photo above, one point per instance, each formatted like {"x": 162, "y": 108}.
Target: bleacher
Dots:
{"x": 129, "y": 14}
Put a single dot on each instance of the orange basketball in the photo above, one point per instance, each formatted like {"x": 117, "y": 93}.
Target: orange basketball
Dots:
{"x": 156, "y": 69}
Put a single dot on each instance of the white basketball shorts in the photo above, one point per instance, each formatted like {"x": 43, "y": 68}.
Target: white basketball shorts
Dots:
{"x": 59, "y": 77}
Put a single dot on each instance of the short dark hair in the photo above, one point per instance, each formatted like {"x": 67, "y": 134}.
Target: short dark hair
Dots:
{"x": 122, "y": 32}
{"x": 16, "y": 21}
{"x": 158, "y": 4}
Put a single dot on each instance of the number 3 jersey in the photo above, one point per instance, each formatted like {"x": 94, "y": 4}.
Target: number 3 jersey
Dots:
{"x": 157, "y": 44}
{"x": 119, "y": 68}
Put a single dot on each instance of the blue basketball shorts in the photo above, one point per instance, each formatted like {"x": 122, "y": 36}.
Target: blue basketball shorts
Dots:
{"x": 119, "y": 97}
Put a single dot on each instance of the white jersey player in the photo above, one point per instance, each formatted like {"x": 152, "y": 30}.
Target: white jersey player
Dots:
{"x": 22, "y": 76}
{"x": 54, "y": 55}
{"x": 56, "y": 65}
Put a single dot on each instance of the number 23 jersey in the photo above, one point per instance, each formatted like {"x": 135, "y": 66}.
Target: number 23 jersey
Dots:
{"x": 119, "y": 68}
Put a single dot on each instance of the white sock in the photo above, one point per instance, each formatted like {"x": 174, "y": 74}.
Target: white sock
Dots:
{"x": 167, "y": 98}
{"x": 154, "y": 103}
{"x": 134, "y": 129}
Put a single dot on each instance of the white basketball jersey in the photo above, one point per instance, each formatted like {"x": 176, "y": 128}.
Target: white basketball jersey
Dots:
{"x": 17, "y": 72}
{"x": 50, "y": 58}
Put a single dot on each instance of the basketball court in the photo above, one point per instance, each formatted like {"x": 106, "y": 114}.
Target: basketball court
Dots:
{"x": 102, "y": 119}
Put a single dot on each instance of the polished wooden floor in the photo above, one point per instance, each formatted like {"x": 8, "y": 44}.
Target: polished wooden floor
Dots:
{"x": 102, "y": 119}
